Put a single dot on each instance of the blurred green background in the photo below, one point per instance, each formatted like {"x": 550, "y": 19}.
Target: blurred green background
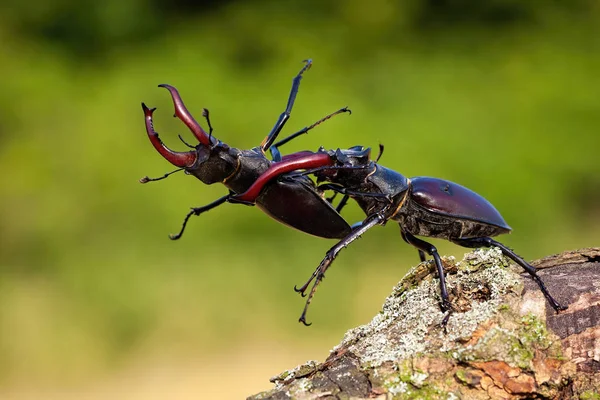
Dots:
{"x": 96, "y": 302}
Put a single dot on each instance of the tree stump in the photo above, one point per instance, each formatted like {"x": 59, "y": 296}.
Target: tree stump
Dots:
{"x": 503, "y": 341}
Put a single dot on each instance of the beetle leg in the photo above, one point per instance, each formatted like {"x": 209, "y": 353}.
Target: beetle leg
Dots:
{"x": 198, "y": 211}
{"x": 342, "y": 203}
{"x": 422, "y": 256}
{"x": 268, "y": 141}
{"x": 343, "y": 190}
{"x": 489, "y": 242}
{"x": 276, "y": 155}
{"x": 324, "y": 168}
{"x": 430, "y": 249}
{"x": 333, "y": 196}
{"x": 319, "y": 273}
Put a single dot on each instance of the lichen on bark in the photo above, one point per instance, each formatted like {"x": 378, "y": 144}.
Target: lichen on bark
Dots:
{"x": 501, "y": 341}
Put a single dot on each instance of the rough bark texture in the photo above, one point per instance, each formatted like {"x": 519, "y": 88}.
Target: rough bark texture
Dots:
{"x": 502, "y": 342}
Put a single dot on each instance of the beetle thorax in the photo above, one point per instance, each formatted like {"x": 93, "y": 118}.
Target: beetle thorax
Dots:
{"x": 214, "y": 165}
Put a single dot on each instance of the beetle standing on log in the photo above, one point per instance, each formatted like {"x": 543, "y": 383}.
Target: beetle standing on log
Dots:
{"x": 422, "y": 206}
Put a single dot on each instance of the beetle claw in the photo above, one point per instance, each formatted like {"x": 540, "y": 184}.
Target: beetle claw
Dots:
{"x": 178, "y": 159}
{"x": 446, "y": 319}
{"x": 445, "y": 305}
{"x": 184, "y": 115}
{"x": 558, "y": 308}
{"x": 301, "y": 290}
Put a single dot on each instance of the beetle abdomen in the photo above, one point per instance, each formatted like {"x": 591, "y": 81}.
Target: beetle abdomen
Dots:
{"x": 440, "y": 208}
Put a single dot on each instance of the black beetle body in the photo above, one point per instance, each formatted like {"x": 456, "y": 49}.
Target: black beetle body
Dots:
{"x": 422, "y": 206}
{"x": 298, "y": 203}
{"x": 295, "y": 203}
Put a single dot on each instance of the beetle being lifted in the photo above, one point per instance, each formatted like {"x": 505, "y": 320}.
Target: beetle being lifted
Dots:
{"x": 296, "y": 203}
{"x": 422, "y": 206}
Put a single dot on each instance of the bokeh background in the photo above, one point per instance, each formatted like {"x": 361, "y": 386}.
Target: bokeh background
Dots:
{"x": 96, "y": 302}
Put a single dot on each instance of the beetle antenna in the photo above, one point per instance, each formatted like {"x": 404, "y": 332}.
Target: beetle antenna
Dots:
{"x": 147, "y": 179}
{"x": 308, "y": 128}
{"x": 206, "y": 115}
{"x": 381, "y": 148}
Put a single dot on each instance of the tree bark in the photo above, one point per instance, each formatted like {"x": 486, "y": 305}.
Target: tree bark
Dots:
{"x": 503, "y": 340}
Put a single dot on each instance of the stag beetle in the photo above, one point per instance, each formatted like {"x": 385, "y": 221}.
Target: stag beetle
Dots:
{"x": 422, "y": 206}
{"x": 297, "y": 203}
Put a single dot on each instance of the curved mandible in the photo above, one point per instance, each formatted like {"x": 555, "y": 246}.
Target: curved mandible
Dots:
{"x": 178, "y": 159}
{"x": 184, "y": 115}
{"x": 302, "y": 160}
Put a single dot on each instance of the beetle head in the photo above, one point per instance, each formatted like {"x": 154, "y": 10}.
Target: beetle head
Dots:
{"x": 350, "y": 165}
{"x": 354, "y": 156}
{"x": 189, "y": 159}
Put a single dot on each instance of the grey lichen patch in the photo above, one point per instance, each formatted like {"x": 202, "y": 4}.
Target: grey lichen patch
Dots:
{"x": 300, "y": 371}
{"x": 302, "y": 385}
{"x": 396, "y": 386}
{"x": 400, "y": 389}
{"x": 493, "y": 346}
{"x": 410, "y": 320}
{"x": 481, "y": 258}
{"x": 296, "y": 389}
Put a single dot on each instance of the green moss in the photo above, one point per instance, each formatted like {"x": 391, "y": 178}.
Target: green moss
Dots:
{"x": 520, "y": 355}
{"x": 411, "y": 383}
{"x": 282, "y": 376}
{"x": 589, "y": 395}
{"x": 400, "y": 389}
{"x": 461, "y": 375}
{"x": 533, "y": 332}
{"x": 405, "y": 370}
{"x": 516, "y": 347}
{"x": 498, "y": 344}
